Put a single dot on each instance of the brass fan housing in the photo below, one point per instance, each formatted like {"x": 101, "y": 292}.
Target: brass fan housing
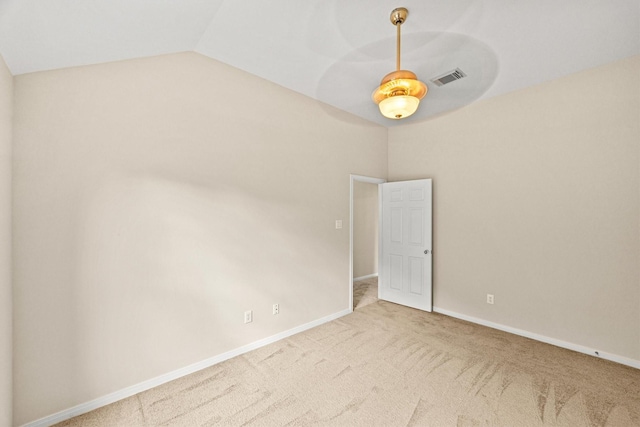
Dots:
{"x": 401, "y": 82}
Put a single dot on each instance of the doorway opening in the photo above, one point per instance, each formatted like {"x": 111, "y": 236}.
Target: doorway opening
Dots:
{"x": 364, "y": 230}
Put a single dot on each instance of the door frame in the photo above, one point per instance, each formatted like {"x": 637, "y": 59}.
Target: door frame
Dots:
{"x": 370, "y": 180}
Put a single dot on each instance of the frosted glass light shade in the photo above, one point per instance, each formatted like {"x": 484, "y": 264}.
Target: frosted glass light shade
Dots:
{"x": 399, "y": 106}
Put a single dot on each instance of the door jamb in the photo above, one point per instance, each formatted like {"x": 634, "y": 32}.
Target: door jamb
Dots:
{"x": 370, "y": 180}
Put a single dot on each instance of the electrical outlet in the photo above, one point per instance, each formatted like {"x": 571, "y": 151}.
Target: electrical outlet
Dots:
{"x": 248, "y": 316}
{"x": 276, "y": 308}
{"x": 489, "y": 298}
{"x": 338, "y": 224}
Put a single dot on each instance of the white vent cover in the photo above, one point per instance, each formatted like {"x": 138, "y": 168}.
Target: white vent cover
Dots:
{"x": 449, "y": 77}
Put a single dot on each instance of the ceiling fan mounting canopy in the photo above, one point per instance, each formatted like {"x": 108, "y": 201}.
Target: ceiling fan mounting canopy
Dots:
{"x": 399, "y": 15}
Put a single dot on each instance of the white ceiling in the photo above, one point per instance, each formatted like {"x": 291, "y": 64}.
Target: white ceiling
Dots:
{"x": 335, "y": 51}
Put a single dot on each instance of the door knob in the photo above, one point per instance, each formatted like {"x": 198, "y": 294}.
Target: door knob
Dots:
{"x": 426, "y": 251}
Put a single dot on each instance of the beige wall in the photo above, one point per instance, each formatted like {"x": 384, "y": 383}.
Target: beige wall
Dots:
{"x": 365, "y": 229}
{"x": 536, "y": 200}
{"x": 158, "y": 199}
{"x": 6, "y": 106}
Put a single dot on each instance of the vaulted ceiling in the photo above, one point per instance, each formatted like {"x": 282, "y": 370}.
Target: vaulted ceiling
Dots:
{"x": 335, "y": 51}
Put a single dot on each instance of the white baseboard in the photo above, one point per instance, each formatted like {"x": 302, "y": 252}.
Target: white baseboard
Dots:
{"x": 368, "y": 276}
{"x": 154, "y": 382}
{"x": 559, "y": 343}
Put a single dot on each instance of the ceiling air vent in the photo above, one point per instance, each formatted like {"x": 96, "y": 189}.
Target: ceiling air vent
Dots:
{"x": 449, "y": 77}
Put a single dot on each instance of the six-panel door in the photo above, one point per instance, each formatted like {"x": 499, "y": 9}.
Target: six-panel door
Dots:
{"x": 406, "y": 260}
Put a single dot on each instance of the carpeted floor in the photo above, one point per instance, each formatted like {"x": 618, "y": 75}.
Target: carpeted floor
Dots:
{"x": 388, "y": 365}
{"x": 365, "y": 292}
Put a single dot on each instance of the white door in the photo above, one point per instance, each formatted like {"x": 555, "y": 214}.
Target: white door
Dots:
{"x": 405, "y": 254}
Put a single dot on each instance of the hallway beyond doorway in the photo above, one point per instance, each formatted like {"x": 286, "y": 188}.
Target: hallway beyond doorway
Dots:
{"x": 365, "y": 292}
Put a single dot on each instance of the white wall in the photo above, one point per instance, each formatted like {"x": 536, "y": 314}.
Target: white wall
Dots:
{"x": 6, "y": 106}
{"x": 536, "y": 200}
{"x": 365, "y": 229}
{"x": 158, "y": 199}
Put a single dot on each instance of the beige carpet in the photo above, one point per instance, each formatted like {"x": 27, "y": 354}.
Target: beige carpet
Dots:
{"x": 387, "y": 365}
{"x": 365, "y": 292}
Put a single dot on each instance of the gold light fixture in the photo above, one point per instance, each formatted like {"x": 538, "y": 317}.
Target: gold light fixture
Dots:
{"x": 400, "y": 91}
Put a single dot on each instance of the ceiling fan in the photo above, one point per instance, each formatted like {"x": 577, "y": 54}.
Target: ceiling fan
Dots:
{"x": 400, "y": 91}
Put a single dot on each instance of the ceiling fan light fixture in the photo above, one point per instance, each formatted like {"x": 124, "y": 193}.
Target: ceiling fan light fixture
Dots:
{"x": 400, "y": 91}
{"x": 399, "y": 106}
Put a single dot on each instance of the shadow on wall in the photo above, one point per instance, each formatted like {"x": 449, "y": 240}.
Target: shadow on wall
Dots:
{"x": 165, "y": 269}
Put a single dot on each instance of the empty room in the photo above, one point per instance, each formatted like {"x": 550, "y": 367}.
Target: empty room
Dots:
{"x": 362, "y": 213}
